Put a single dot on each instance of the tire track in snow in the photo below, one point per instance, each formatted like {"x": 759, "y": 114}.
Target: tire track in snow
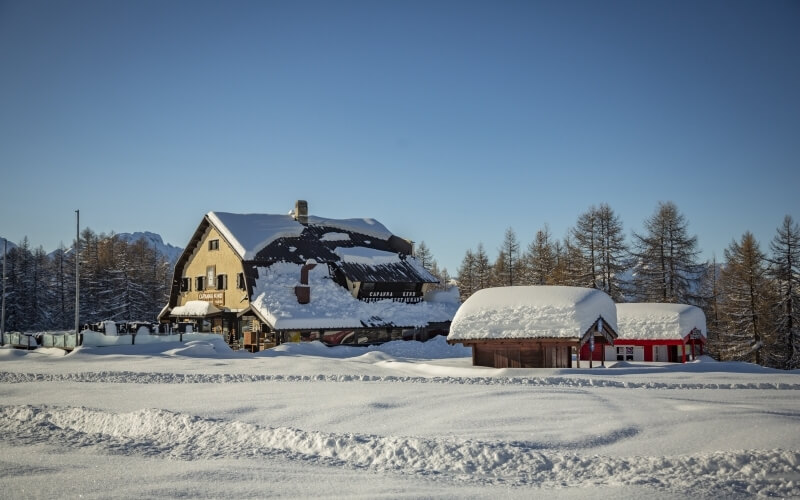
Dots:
{"x": 161, "y": 433}
{"x": 129, "y": 377}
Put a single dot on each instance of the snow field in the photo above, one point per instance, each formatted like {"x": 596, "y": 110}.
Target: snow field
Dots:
{"x": 404, "y": 419}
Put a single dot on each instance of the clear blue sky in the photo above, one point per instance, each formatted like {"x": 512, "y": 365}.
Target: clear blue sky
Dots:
{"x": 447, "y": 121}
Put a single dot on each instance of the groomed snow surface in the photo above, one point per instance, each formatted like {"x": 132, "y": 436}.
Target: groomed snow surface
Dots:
{"x": 405, "y": 419}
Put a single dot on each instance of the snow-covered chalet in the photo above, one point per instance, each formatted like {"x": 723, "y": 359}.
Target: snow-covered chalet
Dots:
{"x": 261, "y": 279}
{"x": 534, "y": 326}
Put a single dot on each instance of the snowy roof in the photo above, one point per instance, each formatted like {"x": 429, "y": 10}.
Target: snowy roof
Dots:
{"x": 647, "y": 321}
{"x": 248, "y": 234}
{"x": 195, "y": 308}
{"x": 523, "y": 312}
{"x": 332, "y": 306}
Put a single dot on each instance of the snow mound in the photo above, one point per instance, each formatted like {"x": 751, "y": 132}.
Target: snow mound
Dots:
{"x": 181, "y": 436}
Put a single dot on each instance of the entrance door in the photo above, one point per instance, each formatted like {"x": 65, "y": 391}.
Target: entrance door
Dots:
{"x": 660, "y": 353}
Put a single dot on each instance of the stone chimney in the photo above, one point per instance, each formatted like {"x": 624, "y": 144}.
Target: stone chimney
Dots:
{"x": 301, "y": 211}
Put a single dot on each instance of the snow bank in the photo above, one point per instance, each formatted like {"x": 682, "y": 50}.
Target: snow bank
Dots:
{"x": 531, "y": 312}
{"x": 435, "y": 348}
{"x": 97, "y": 339}
{"x": 332, "y": 306}
{"x": 181, "y": 436}
{"x": 659, "y": 321}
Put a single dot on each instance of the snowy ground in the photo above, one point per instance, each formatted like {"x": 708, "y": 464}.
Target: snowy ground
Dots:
{"x": 403, "y": 420}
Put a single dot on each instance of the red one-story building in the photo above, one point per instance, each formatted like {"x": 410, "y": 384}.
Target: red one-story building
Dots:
{"x": 657, "y": 332}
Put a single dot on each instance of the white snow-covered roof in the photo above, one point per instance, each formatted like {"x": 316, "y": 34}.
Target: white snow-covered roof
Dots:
{"x": 248, "y": 234}
{"x": 523, "y": 312}
{"x": 645, "y": 321}
{"x": 332, "y": 306}
{"x": 195, "y": 308}
{"x": 366, "y": 256}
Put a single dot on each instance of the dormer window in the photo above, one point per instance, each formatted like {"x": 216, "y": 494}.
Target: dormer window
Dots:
{"x": 213, "y": 244}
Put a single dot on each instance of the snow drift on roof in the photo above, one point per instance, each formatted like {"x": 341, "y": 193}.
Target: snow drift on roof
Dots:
{"x": 367, "y": 227}
{"x": 521, "y": 312}
{"x": 332, "y": 306}
{"x": 659, "y": 321}
{"x": 195, "y": 308}
{"x": 249, "y": 233}
{"x": 366, "y": 256}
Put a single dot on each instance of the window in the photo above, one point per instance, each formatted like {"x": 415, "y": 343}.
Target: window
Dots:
{"x": 211, "y": 276}
{"x": 213, "y": 244}
{"x": 199, "y": 284}
{"x": 222, "y": 282}
{"x": 240, "y": 281}
{"x": 624, "y": 353}
{"x": 186, "y": 284}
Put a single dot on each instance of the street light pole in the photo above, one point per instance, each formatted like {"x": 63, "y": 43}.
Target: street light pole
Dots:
{"x": 77, "y": 272}
{"x": 3, "y": 307}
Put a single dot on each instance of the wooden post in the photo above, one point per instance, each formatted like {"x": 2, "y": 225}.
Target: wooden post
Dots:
{"x": 603, "y": 346}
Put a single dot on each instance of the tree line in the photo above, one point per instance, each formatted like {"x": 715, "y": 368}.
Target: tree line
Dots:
{"x": 119, "y": 280}
{"x": 751, "y": 299}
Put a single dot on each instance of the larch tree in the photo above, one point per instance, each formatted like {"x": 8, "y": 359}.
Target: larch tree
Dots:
{"x": 613, "y": 253}
{"x": 423, "y": 254}
{"x": 466, "y": 276}
{"x": 744, "y": 310}
{"x": 784, "y": 269}
{"x": 507, "y": 266}
{"x": 586, "y": 237}
{"x": 665, "y": 258}
{"x": 483, "y": 268}
{"x": 540, "y": 259}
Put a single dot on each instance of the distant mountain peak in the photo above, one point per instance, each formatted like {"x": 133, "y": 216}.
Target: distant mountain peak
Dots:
{"x": 170, "y": 251}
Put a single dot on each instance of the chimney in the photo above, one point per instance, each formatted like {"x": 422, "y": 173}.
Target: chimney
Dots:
{"x": 303, "y": 291}
{"x": 301, "y": 211}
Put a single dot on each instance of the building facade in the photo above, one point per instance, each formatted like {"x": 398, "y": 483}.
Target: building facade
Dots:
{"x": 262, "y": 279}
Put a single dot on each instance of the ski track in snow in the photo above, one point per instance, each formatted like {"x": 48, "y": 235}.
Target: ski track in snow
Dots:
{"x": 129, "y": 377}
{"x": 179, "y": 436}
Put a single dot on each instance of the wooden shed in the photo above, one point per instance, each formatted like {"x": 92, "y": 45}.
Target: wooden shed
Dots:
{"x": 533, "y": 326}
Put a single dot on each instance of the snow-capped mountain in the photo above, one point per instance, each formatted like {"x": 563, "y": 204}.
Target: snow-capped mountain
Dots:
{"x": 170, "y": 251}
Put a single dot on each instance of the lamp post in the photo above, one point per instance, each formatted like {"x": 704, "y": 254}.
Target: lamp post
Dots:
{"x": 3, "y": 307}
{"x": 77, "y": 273}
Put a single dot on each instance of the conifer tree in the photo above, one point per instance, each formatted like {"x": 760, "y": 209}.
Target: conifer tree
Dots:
{"x": 483, "y": 269}
{"x": 665, "y": 267}
{"x": 466, "y": 276}
{"x": 507, "y": 265}
{"x": 423, "y": 254}
{"x": 784, "y": 269}
{"x": 540, "y": 259}
{"x": 745, "y": 309}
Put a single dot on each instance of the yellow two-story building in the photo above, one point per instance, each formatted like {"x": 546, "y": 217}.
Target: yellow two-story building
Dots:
{"x": 259, "y": 279}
